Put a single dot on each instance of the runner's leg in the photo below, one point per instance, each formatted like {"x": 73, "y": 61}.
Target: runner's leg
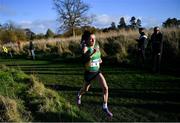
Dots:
{"x": 84, "y": 89}
{"x": 104, "y": 86}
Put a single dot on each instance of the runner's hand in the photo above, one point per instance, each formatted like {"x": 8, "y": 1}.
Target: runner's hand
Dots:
{"x": 94, "y": 51}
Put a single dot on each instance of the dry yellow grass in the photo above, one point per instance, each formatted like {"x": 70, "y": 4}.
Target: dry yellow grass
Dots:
{"x": 9, "y": 110}
{"x": 119, "y": 41}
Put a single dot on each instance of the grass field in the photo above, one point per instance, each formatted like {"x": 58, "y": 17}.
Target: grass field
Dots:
{"x": 134, "y": 95}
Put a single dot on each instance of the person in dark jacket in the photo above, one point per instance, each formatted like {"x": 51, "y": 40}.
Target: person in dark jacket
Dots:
{"x": 157, "y": 46}
{"x": 142, "y": 41}
{"x": 31, "y": 49}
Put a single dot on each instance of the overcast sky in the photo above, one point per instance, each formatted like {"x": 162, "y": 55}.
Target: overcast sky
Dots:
{"x": 39, "y": 15}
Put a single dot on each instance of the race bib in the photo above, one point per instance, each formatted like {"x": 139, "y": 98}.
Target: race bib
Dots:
{"x": 95, "y": 63}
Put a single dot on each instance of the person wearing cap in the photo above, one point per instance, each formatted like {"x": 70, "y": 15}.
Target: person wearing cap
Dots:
{"x": 142, "y": 42}
{"x": 157, "y": 46}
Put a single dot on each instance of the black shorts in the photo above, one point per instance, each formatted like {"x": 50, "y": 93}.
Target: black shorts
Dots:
{"x": 89, "y": 76}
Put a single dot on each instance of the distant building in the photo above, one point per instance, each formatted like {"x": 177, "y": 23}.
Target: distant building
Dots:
{"x": 29, "y": 33}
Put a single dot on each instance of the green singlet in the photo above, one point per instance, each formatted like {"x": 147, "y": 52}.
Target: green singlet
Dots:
{"x": 93, "y": 65}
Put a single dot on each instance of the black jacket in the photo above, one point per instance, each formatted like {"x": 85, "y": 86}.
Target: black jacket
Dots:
{"x": 31, "y": 46}
{"x": 156, "y": 42}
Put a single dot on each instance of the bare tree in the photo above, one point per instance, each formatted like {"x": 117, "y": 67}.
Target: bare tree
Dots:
{"x": 72, "y": 14}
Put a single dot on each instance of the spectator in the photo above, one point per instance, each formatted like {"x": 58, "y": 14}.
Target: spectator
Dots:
{"x": 142, "y": 43}
{"x": 157, "y": 46}
{"x": 31, "y": 49}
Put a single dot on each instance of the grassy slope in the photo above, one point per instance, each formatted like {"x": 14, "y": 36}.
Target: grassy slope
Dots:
{"x": 134, "y": 95}
{"x": 25, "y": 98}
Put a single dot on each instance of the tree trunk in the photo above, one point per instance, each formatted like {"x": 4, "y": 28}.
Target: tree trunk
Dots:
{"x": 74, "y": 33}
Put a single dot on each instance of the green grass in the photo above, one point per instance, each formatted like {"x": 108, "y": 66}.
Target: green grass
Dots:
{"x": 25, "y": 98}
{"x": 134, "y": 95}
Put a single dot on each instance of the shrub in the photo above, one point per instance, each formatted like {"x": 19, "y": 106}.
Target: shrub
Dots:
{"x": 119, "y": 45}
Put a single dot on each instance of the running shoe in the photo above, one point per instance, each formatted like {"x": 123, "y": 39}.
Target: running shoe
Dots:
{"x": 78, "y": 100}
{"x": 106, "y": 110}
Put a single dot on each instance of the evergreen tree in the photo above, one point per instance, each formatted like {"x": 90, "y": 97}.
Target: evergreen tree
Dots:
{"x": 171, "y": 23}
{"x": 122, "y": 23}
{"x": 49, "y": 33}
{"x": 138, "y": 23}
{"x": 133, "y": 22}
{"x": 113, "y": 26}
